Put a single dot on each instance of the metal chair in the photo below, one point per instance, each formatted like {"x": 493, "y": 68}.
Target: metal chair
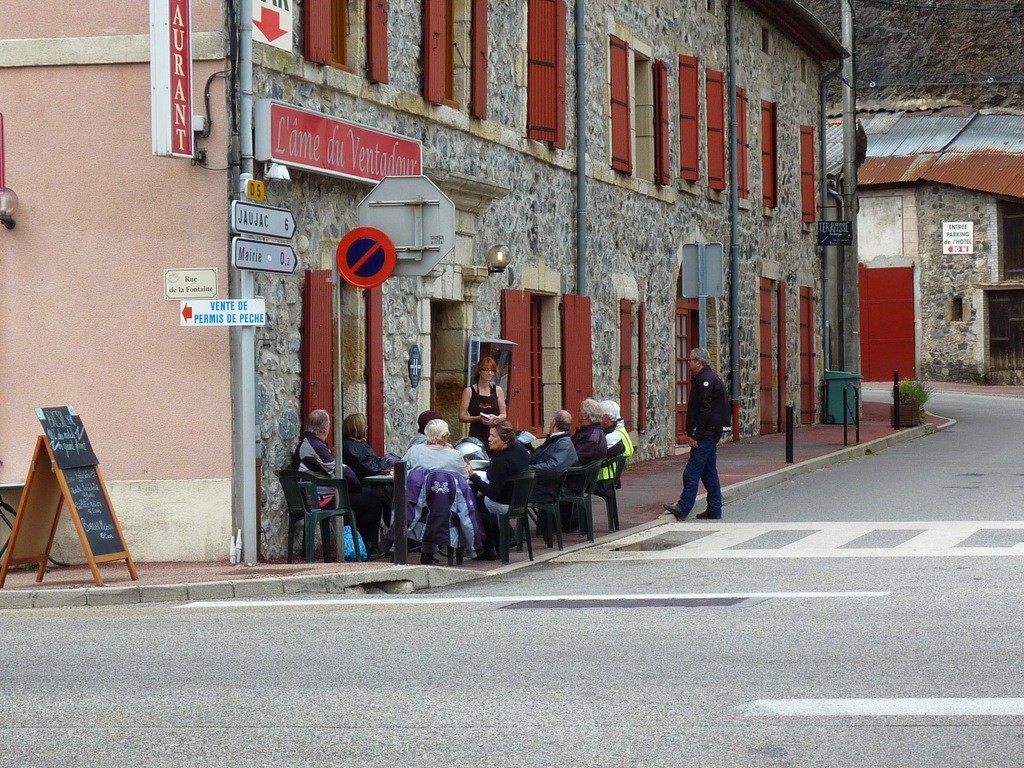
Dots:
{"x": 549, "y": 509}
{"x": 518, "y": 508}
{"x": 606, "y": 486}
{"x": 303, "y": 500}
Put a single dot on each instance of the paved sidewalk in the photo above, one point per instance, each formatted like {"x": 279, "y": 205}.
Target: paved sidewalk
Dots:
{"x": 746, "y": 467}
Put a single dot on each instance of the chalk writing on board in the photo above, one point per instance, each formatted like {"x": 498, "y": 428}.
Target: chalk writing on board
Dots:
{"x": 93, "y": 511}
{"x": 67, "y": 437}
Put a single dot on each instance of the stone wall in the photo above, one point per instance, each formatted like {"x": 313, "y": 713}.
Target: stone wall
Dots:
{"x": 523, "y": 193}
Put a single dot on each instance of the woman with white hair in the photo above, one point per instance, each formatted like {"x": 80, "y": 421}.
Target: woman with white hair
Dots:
{"x": 436, "y": 452}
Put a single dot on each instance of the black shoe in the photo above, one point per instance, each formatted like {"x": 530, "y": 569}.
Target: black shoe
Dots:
{"x": 427, "y": 558}
{"x": 710, "y": 515}
{"x": 677, "y": 511}
{"x": 487, "y": 554}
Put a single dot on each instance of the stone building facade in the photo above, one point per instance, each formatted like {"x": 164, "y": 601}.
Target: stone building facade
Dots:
{"x": 522, "y": 192}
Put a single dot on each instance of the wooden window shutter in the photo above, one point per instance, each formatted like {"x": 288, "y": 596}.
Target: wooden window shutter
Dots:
{"x": 641, "y": 366}
{"x": 478, "y": 74}
{"x": 769, "y": 155}
{"x": 662, "y": 167}
{"x": 560, "y": 94}
{"x": 626, "y": 361}
{"x": 715, "y": 97}
{"x": 377, "y": 41}
{"x": 375, "y": 368}
{"x": 542, "y": 71}
{"x": 577, "y": 352}
{"x": 689, "y": 118}
{"x": 622, "y": 150}
{"x": 317, "y": 344}
{"x": 743, "y": 140}
{"x": 435, "y": 50}
{"x": 807, "y": 172}
{"x": 515, "y": 326}
{"x": 317, "y": 31}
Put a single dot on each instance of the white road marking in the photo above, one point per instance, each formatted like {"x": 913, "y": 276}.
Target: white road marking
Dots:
{"x": 951, "y": 707}
{"x": 364, "y": 601}
{"x": 823, "y": 540}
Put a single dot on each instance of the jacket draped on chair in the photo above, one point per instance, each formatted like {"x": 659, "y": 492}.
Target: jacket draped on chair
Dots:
{"x": 433, "y": 496}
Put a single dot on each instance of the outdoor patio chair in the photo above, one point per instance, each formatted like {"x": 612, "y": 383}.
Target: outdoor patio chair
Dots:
{"x": 585, "y": 478}
{"x": 547, "y": 514}
{"x": 518, "y": 508}
{"x": 607, "y": 492}
{"x": 302, "y": 497}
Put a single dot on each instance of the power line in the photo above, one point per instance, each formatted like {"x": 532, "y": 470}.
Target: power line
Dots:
{"x": 947, "y": 8}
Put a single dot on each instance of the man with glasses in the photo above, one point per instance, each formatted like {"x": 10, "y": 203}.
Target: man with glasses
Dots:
{"x": 707, "y": 413}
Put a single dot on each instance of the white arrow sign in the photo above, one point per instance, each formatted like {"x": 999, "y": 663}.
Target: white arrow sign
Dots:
{"x": 251, "y": 219}
{"x": 262, "y": 257}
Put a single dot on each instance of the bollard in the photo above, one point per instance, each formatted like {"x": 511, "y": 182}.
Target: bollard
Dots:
{"x": 735, "y": 421}
{"x": 846, "y": 415}
{"x": 789, "y": 433}
{"x": 856, "y": 413}
{"x": 398, "y": 517}
{"x": 895, "y": 399}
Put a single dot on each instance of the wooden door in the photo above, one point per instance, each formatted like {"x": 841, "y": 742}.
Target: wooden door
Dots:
{"x": 887, "y": 323}
{"x": 808, "y": 400}
{"x": 766, "y": 346}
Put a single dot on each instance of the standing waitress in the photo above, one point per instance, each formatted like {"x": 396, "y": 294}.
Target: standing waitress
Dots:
{"x": 483, "y": 403}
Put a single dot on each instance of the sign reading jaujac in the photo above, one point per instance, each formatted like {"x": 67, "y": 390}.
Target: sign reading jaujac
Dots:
{"x": 316, "y": 142}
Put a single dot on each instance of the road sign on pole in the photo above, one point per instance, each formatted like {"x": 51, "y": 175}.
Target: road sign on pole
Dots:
{"x": 417, "y": 216}
{"x": 251, "y": 219}
{"x": 224, "y": 312}
{"x": 366, "y": 257}
{"x": 260, "y": 256}
{"x": 703, "y": 269}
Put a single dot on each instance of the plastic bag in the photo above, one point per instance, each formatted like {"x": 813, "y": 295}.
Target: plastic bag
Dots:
{"x": 350, "y": 546}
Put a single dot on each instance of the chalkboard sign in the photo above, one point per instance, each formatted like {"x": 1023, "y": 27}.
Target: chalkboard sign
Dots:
{"x": 94, "y": 512}
{"x": 67, "y": 437}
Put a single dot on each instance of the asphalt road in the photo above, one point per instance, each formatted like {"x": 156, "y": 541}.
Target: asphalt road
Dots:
{"x": 817, "y": 661}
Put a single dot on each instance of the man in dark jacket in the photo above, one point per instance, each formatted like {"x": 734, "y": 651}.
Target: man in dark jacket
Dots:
{"x": 589, "y": 440}
{"x": 555, "y": 456}
{"x": 707, "y": 413}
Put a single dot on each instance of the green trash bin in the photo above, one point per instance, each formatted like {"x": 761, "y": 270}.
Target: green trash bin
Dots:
{"x": 835, "y": 383}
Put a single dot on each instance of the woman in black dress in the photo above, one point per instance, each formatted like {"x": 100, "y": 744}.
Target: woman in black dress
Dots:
{"x": 483, "y": 403}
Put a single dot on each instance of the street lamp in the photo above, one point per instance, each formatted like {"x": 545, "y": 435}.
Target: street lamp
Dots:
{"x": 497, "y": 259}
{"x": 8, "y": 207}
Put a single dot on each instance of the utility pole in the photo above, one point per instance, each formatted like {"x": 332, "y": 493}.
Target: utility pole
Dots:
{"x": 849, "y": 292}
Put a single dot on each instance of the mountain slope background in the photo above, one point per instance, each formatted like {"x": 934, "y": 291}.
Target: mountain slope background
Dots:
{"x": 931, "y": 53}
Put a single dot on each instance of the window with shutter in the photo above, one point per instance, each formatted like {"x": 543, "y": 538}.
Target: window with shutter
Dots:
{"x": 375, "y": 368}
{"x": 577, "y": 353}
{"x": 478, "y": 75}
{"x": 641, "y": 366}
{"x": 515, "y": 326}
{"x": 689, "y": 118}
{"x": 317, "y": 343}
{"x": 662, "y": 167}
{"x": 377, "y": 68}
{"x": 437, "y": 43}
{"x": 743, "y": 140}
{"x": 545, "y": 97}
{"x": 769, "y": 155}
{"x": 626, "y": 361}
{"x": 317, "y": 31}
{"x": 807, "y": 173}
{"x": 715, "y": 97}
{"x": 622, "y": 152}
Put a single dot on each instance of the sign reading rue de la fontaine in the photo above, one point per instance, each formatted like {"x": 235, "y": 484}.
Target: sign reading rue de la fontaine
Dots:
{"x": 316, "y": 142}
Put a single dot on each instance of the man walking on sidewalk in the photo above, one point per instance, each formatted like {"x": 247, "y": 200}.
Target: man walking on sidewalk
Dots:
{"x": 707, "y": 412}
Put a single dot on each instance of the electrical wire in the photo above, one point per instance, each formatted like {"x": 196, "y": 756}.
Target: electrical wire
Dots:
{"x": 944, "y": 8}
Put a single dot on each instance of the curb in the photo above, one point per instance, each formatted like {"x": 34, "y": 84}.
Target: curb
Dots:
{"x": 405, "y": 579}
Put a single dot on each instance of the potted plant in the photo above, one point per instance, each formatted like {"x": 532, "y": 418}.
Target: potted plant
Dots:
{"x": 913, "y": 395}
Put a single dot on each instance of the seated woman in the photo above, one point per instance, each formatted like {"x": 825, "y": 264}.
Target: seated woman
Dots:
{"x": 436, "y": 452}
{"x": 313, "y": 455}
{"x": 357, "y": 453}
{"x": 508, "y": 457}
{"x": 424, "y": 418}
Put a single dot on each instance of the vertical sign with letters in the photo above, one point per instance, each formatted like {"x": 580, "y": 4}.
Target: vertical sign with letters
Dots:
{"x": 170, "y": 25}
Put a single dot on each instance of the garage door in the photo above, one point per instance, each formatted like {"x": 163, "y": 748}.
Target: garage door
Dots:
{"x": 887, "y": 323}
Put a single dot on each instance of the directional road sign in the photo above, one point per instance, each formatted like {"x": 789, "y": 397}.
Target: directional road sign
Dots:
{"x": 272, "y": 23}
{"x": 417, "y": 216}
{"x": 224, "y": 312}
{"x": 251, "y": 219}
{"x": 366, "y": 257}
{"x": 261, "y": 256}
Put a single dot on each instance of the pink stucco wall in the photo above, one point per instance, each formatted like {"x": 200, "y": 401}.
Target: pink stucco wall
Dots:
{"x": 83, "y": 320}
{"x": 24, "y": 19}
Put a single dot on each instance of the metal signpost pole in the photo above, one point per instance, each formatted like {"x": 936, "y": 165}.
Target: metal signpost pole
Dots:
{"x": 702, "y": 293}
{"x": 243, "y": 356}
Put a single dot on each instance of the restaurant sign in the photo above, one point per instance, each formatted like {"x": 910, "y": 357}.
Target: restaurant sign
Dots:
{"x": 313, "y": 141}
{"x": 171, "y": 77}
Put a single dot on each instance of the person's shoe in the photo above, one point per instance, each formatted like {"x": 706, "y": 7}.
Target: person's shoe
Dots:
{"x": 677, "y": 511}
{"x": 427, "y": 558}
{"x": 709, "y": 515}
{"x": 487, "y": 554}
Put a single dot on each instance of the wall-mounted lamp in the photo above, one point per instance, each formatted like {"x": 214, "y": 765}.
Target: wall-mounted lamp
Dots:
{"x": 497, "y": 259}
{"x": 8, "y": 207}
{"x": 277, "y": 172}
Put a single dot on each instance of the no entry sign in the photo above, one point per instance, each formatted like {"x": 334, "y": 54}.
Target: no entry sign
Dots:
{"x": 366, "y": 257}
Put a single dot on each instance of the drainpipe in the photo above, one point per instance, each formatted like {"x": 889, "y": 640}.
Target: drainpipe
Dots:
{"x": 825, "y": 194}
{"x": 833, "y": 192}
{"x": 850, "y": 316}
{"x": 243, "y": 357}
{"x": 734, "y": 219}
{"x": 581, "y": 150}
